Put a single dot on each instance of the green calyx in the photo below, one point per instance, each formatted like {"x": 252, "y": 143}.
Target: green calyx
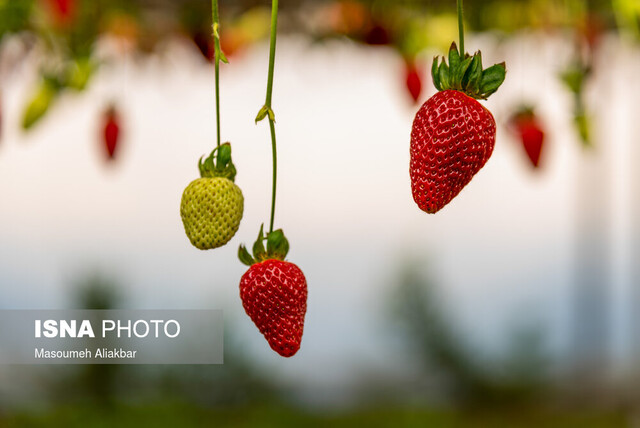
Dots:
{"x": 218, "y": 164}
{"x": 465, "y": 74}
{"x": 277, "y": 248}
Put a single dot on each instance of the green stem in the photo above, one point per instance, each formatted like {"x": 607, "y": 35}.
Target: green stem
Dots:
{"x": 272, "y": 58}
{"x": 461, "y": 28}
{"x": 216, "y": 62}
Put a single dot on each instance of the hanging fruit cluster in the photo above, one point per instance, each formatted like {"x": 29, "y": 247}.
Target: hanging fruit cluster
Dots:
{"x": 273, "y": 291}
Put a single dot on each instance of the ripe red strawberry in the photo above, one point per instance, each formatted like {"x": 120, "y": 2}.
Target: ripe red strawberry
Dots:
{"x": 274, "y": 293}
{"x": 413, "y": 80}
{"x": 111, "y": 131}
{"x": 527, "y": 127}
{"x": 453, "y": 135}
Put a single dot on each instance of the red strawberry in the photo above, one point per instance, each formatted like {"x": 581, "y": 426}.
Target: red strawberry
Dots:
{"x": 453, "y": 135}
{"x": 111, "y": 131}
{"x": 527, "y": 127}
{"x": 413, "y": 80}
{"x": 274, "y": 293}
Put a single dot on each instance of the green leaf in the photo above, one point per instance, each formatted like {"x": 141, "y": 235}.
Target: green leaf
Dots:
{"x": 208, "y": 162}
{"x": 39, "y": 104}
{"x": 492, "y": 78}
{"x": 277, "y": 244}
{"x": 244, "y": 256}
{"x": 477, "y": 76}
{"x": 454, "y": 57}
{"x": 473, "y": 73}
{"x": 262, "y": 113}
{"x": 259, "y": 252}
{"x": 462, "y": 71}
{"x": 443, "y": 75}
{"x": 222, "y": 57}
{"x": 434, "y": 74}
{"x": 224, "y": 156}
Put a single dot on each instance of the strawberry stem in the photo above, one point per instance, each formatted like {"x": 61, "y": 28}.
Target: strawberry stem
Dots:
{"x": 267, "y": 106}
{"x": 461, "y": 28}
{"x": 216, "y": 62}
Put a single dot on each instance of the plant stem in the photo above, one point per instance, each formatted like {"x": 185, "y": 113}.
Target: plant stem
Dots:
{"x": 216, "y": 62}
{"x": 272, "y": 57}
{"x": 461, "y": 28}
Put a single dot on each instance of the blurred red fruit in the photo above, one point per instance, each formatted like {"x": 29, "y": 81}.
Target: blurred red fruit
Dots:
{"x": 528, "y": 129}
{"x": 377, "y": 36}
{"x": 63, "y": 11}
{"x": 204, "y": 42}
{"x": 413, "y": 80}
{"x": 111, "y": 131}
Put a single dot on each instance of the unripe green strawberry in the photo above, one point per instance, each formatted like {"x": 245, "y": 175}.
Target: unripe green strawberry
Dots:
{"x": 212, "y": 206}
{"x": 211, "y": 211}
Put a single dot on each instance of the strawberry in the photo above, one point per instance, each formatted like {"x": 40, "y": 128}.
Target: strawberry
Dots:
{"x": 212, "y": 206}
{"x": 63, "y": 11}
{"x": 453, "y": 134}
{"x": 274, "y": 293}
{"x": 111, "y": 131}
{"x": 413, "y": 80}
{"x": 527, "y": 127}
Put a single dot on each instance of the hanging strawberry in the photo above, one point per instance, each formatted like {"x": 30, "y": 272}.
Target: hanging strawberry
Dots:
{"x": 527, "y": 127}
{"x": 413, "y": 81}
{"x": 111, "y": 131}
{"x": 273, "y": 291}
{"x": 212, "y": 205}
{"x": 453, "y": 134}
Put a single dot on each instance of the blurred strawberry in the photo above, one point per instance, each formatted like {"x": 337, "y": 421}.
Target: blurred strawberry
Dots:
{"x": 413, "y": 80}
{"x": 204, "y": 42}
{"x": 63, "y": 11}
{"x": 111, "y": 131}
{"x": 527, "y": 127}
{"x": 377, "y": 35}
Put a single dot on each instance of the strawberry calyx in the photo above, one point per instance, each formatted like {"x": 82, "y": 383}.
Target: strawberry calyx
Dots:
{"x": 464, "y": 73}
{"x": 276, "y": 249}
{"x": 218, "y": 164}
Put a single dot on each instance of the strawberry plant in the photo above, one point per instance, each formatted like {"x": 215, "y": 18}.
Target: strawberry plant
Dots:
{"x": 273, "y": 291}
{"x": 453, "y": 135}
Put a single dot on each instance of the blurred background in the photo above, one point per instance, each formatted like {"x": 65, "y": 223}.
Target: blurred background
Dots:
{"x": 515, "y": 306}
